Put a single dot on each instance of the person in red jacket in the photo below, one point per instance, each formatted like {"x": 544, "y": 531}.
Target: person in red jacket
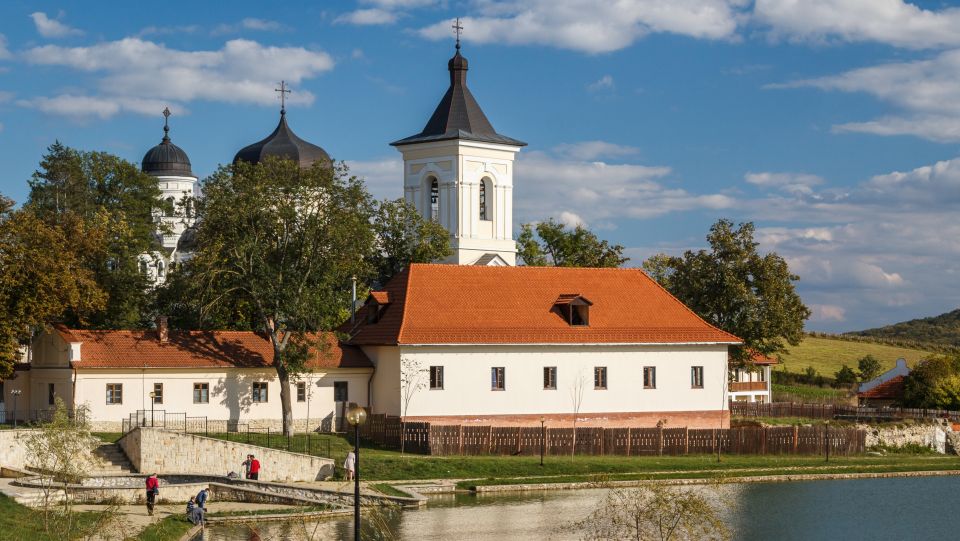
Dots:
{"x": 153, "y": 488}
{"x": 254, "y": 468}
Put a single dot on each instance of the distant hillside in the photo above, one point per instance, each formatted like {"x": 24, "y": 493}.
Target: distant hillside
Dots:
{"x": 942, "y": 330}
{"x": 827, "y": 355}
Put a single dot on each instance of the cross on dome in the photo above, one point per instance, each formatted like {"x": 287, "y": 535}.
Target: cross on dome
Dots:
{"x": 166, "y": 125}
{"x": 283, "y": 90}
{"x": 458, "y": 28}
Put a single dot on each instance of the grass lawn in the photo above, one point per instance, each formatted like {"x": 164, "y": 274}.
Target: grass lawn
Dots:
{"x": 827, "y": 355}
{"x": 107, "y": 437}
{"x": 283, "y": 511}
{"x": 388, "y": 490}
{"x": 807, "y": 393}
{"x": 171, "y": 528}
{"x": 20, "y": 522}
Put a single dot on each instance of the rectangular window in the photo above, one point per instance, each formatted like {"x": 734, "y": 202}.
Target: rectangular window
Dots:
{"x": 649, "y": 377}
{"x": 550, "y": 378}
{"x": 51, "y": 394}
{"x": 158, "y": 393}
{"x": 340, "y": 391}
{"x": 762, "y": 374}
{"x": 696, "y": 377}
{"x": 600, "y": 377}
{"x": 259, "y": 391}
{"x": 498, "y": 381}
{"x": 201, "y": 393}
{"x": 436, "y": 378}
{"x": 301, "y": 391}
{"x": 114, "y": 393}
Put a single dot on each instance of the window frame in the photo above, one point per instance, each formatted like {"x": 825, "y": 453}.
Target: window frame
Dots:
{"x": 600, "y": 378}
{"x": 114, "y": 394}
{"x": 345, "y": 385}
{"x": 483, "y": 207}
{"x": 498, "y": 378}
{"x": 199, "y": 388}
{"x": 696, "y": 377}
{"x": 436, "y": 378}
{"x": 433, "y": 198}
{"x": 259, "y": 392}
{"x": 649, "y": 377}
{"x": 157, "y": 393}
{"x": 549, "y": 378}
{"x": 51, "y": 394}
{"x": 301, "y": 391}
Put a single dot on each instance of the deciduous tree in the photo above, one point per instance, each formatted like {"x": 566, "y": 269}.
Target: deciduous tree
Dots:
{"x": 404, "y": 237}
{"x": 735, "y": 288}
{"x": 869, "y": 367}
{"x": 934, "y": 383}
{"x": 551, "y": 243}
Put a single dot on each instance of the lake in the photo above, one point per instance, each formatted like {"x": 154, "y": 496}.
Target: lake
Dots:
{"x": 875, "y": 509}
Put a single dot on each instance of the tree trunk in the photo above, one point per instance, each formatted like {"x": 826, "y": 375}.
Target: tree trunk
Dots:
{"x": 285, "y": 403}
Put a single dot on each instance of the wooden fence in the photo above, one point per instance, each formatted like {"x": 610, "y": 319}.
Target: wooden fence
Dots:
{"x": 425, "y": 438}
{"x": 831, "y": 411}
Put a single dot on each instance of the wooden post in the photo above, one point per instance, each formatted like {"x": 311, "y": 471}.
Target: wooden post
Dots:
{"x": 714, "y": 431}
{"x": 490, "y": 439}
{"x": 628, "y": 440}
{"x": 519, "y": 430}
{"x": 546, "y": 440}
{"x": 763, "y": 440}
{"x": 460, "y": 441}
{"x": 660, "y": 451}
{"x": 796, "y": 438}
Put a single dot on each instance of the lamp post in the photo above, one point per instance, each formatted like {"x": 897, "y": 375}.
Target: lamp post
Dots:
{"x": 15, "y": 393}
{"x": 356, "y": 416}
{"x": 543, "y": 437}
{"x": 153, "y": 396}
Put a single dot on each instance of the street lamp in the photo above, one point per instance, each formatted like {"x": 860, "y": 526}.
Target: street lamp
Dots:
{"x": 356, "y": 416}
{"x": 543, "y": 437}
{"x": 153, "y": 396}
{"x": 15, "y": 393}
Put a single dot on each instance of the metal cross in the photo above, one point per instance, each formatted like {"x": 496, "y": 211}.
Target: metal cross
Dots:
{"x": 166, "y": 126}
{"x": 283, "y": 90}
{"x": 458, "y": 28}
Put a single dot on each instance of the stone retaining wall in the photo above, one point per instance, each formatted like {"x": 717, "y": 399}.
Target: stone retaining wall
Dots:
{"x": 13, "y": 451}
{"x": 932, "y": 435}
{"x": 155, "y": 450}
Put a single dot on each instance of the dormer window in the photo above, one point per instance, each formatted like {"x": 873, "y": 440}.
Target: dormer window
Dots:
{"x": 574, "y": 308}
{"x": 376, "y": 303}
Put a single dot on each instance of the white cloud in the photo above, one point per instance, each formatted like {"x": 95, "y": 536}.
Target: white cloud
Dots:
{"x": 366, "y": 17}
{"x": 384, "y": 177}
{"x": 4, "y": 52}
{"x": 52, "y": 28}
{"x": 83, "y": 106}
{"x": 164, "y": 30}
{"x": 827, "y": 312}
{"x": 928, "y": 92}
{"x": 592, "y": 150}
{"x": 589, "y": 26}
{"x": 249, "y": 23}
{"x": 571, "y": 220}
{"x": 604, "y": 83}
{"x": 893, "y": 22}
{"x": 792, "y": 183}
{"x": 243, "y": 71}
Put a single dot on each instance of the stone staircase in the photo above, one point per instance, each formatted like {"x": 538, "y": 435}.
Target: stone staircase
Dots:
{"x": 109, "y": 459}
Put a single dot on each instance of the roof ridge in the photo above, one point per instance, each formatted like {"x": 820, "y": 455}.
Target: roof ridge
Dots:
{"x": 685, "y": 307}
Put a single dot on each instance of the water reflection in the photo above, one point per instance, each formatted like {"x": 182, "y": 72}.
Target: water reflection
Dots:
{"x": 876, "y": 509}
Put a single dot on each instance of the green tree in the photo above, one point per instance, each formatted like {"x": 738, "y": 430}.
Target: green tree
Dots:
{"x": 404, "y": 237}
{"x": 282, "y": 242}
{"x": 551, "y": 243}
{"x": 72, "y": 184}
{"x": 845, "y": 377}
{"x": 737, "y": 289}
{"x": 934, "y": 383}
{"x": 869, "y": 367}
{"x": 42, "y": 275}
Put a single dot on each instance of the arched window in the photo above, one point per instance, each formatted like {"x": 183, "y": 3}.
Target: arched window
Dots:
{"x": 189, "y": 207}
{"x": 434, "y": 200}
{"x": 143, "y": 267}
{"x": 484, "y": 207}
{"x": 160, "y": 269}
{"x": 172, "y": 208}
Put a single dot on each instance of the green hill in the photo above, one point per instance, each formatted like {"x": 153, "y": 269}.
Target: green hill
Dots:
{"x": 827, "y": 355}
{"x": 942, "y": 330}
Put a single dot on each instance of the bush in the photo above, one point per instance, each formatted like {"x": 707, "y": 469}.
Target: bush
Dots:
{"x": 845, "y": 377}
{"x": 869, "y": 367}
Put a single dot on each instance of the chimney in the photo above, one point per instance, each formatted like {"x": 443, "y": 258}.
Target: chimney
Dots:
{"x": 163, "y": 332}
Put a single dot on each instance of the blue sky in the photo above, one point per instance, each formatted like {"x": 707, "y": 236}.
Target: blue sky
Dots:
{"x": 831, "y": 124}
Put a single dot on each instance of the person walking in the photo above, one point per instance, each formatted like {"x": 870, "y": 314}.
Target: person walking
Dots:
{"x": 254, "y": 468}
{"x": 153, "y": 488}
{"x": 202, "y": 498}
{"x": 246, "y": 466}
{"x": 350, "y": 464}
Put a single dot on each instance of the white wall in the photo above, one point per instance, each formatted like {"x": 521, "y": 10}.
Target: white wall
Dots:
{"x": 467, "y": 379}
{"x": 385, "y": 387}
{"x": 230, "y": 392}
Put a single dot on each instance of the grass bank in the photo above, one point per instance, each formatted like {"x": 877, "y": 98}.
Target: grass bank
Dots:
{"x": 827, "y": 355}
{"x": 170, "y": 528}
{"x": 20, "y": 522}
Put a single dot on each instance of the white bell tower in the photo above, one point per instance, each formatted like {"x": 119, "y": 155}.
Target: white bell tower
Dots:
{"x": 459, "y": 172}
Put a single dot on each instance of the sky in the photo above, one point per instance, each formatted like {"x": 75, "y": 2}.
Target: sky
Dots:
{"x": 832, "y": 125}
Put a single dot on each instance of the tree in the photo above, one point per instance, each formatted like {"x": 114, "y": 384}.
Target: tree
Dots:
{"x": 283, "y": 243}
{"x": 869, "y": 367}
{"x": 91, "y": 186}
{"x": 934, "y": 383}
{"x": 736, "y": 289}
{"x": 404, "y": 237}
{"x": 411, "y": 383}
{"x": 654, "y": 511}
{"x": 550, "y": 243}
{"x": 577, "y": 389}
{"x": 42, "y": 276}
{"x": 845, "y": 377}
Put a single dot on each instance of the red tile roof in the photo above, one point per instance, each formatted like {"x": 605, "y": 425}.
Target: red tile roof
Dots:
{"x": 891, "y": 389}
{"x": 761, "y": 359}
{"x": 382, "y": 297}
{"x": 197, "y": 349}
{"x": 453, "y": 304}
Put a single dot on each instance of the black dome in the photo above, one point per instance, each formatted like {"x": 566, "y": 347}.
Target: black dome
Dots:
{"x": 188, "y": 240}
{"x": 166, "y": 158}
{"x": 283, "y": 143}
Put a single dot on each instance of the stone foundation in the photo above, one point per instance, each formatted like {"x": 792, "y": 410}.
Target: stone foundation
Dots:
{"x": 667, "y": 419}
{"x": 931, "y": 435}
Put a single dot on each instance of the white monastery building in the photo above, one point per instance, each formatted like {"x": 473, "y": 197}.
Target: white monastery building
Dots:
{"x": 474, "y": 339}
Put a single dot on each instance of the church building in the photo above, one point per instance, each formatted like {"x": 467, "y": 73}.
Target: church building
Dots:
{"x": 473, "y": 339}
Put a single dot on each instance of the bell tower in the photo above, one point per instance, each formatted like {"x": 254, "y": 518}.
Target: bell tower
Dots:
{"x": 459, "y": 171}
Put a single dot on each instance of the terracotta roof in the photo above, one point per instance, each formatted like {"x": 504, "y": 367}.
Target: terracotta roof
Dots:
{"x": 890, "y": 389}
{"x": 197, "y": 349}
{"x": 382, "y": 297}
{"x": 454, "y": 304}
{"x": 761, "y": 359}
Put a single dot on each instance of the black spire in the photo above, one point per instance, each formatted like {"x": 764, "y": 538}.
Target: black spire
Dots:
{"x": 283, "y": 143}
{"x": 166, "y": 159}
{"x": 458, "y": 116}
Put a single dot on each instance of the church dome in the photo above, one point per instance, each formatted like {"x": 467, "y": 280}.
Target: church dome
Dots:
{"x": 166, "y": 159}
{"x": 283, "y": 143}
